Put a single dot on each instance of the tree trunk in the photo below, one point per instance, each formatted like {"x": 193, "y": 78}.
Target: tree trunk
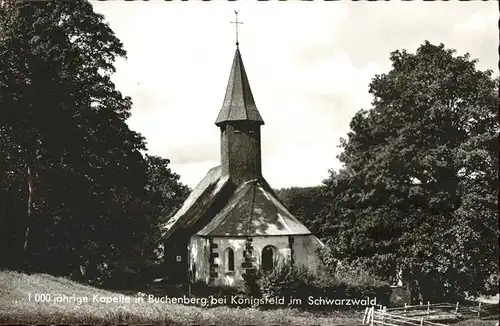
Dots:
{"x": 5, "y": 236}
{"x": 28, "y": 218}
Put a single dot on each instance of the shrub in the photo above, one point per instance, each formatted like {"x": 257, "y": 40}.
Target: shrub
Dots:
{"x": 360, "y": 283}
{"x": 287, "y": 281}
{"x": 345, "y": 282}
{"x": 252, "y": 287}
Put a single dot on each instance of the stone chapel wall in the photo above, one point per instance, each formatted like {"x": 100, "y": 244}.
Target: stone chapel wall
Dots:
{"x": 303, "y": 248}
{"x": 305, "y": 251}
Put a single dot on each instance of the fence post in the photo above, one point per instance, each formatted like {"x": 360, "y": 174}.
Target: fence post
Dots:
{"x": 479, "y": 310}
{"x": 373, "y": 315}
{"x": 422, "y": 321}
{"x": 405, "y": 307}
{"x": 364, "y": 316}
{"x": 428, "y": 307}
{"x": 456, "y": 310}
{"x": 384, "y": 311}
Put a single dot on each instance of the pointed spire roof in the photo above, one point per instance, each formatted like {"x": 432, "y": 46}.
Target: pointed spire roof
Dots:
{"x": 239, "y": 104}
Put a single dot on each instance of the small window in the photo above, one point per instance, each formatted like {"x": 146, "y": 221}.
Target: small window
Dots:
{"x": 268, "y": 258}
{"x": 230, "y": 260}
{"x": 237, "y": 131}
{"x": 178, "y": 258}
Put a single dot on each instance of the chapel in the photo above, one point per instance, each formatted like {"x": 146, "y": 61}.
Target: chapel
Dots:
{"x": 233, "y": 223}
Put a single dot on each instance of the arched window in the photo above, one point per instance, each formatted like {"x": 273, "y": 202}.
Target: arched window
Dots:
{"x": 268, "y": 258}
{"x": 230, "y": 260}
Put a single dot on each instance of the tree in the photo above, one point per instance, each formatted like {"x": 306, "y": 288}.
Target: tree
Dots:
{"x": 305, "y": 203}
{"x": 166, "y": 193}
{"x": 75, "y": 181}
{"x": 417, "y": 190}
{"x": 165, "y": 196}
{"x": 62, "y": 112}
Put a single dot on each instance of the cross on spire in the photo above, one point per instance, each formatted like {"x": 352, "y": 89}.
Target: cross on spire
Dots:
{"x": 236, "y": 22}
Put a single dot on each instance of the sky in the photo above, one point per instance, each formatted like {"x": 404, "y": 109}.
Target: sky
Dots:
{"x": 309, "y": 65}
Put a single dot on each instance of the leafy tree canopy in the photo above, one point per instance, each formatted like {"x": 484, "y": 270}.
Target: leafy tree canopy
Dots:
{"x": 76, "y": 191}
{"x": 417, "y": 190}
{"x": 305, "y": 203}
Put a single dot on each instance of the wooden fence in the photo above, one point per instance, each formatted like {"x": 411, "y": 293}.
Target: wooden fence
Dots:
{"x": 429, "y": 314}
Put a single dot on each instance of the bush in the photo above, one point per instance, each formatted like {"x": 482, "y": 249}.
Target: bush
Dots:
{"x": 360, "y": 283}
{"x": 252, "y": 287}
{"x": 345, "y": 282}
{"x": 287, "y": 281}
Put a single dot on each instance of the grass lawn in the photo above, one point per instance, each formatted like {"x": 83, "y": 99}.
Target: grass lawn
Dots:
{"x": 18, "y": 305}
{"x": 16, "y": 289}
{"x": 475, "y": 322}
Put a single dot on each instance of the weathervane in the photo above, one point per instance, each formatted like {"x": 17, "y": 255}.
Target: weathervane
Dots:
{"x": 236, "y": 22}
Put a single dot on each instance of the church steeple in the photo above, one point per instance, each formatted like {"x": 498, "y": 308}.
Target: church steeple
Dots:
{"x": 239, "y": 104}
{"x": 239, "y": 122}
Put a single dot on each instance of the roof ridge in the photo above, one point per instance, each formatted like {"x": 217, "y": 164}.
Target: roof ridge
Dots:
{"x": 251, "y": 211}
{"x": 244, "y": 90}
{"x": 209, "y": 187}
{"x": 266, "y": 217}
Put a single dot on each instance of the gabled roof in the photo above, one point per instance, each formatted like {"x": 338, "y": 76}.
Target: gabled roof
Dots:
{"x": 254, "y": 210}
{"x": 239, "y": 104}
{"x": 198, "y": 202}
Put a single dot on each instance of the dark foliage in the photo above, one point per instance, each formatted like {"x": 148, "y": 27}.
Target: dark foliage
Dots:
{"x": 418, "y": 188}
{"x": 345, "y": 282}
{"x": 77, "y": 196}
{"x": 306, "y": 204}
